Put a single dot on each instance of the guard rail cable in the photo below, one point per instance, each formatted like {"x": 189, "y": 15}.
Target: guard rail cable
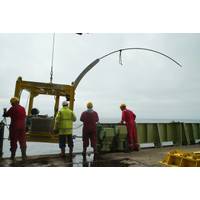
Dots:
{"x": 3, "y": 121}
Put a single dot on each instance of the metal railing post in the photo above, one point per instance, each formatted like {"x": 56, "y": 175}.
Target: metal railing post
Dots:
{"x": 2, "y": 125}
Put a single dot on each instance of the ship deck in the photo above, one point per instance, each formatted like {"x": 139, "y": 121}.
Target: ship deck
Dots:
{"x": 148, "y": 157}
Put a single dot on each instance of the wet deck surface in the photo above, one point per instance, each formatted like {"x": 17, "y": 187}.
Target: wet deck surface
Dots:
{"x": 144, "y": 158}
{"x": 57, "y": 161}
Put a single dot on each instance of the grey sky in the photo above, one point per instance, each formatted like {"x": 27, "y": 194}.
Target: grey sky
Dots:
{"x": 150, "y": 84}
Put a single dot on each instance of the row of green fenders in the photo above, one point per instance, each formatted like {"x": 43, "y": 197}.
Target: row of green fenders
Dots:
{"x": 113, "y": 136}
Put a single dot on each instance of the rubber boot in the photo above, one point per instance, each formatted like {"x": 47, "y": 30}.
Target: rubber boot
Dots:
{"x": 24, "y": 157}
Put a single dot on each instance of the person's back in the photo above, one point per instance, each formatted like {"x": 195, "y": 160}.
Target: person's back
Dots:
{"x": 17, "y": 127}
{"x": 65, "y": 117}
{"x": 64, "y": 124}
{"x": 89, "y": 119}
{"x": 128, "y": 116}
{"x": 17, "y": 114}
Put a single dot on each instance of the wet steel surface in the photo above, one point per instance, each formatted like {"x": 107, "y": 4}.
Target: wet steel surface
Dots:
{"x": 143, "y": 158}
{"x": 57, "y": 161}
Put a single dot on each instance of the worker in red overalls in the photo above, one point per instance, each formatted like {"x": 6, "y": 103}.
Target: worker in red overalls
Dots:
{"x": 129, "y": 118}
{"x": 89, "y": 119}
{"x": 17, "y": 127}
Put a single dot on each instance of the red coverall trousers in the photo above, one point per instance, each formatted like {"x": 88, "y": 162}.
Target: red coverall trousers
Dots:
{"x": 129, "y": 117}
{"x": 17, "y": 135}
{"x": 132, "y": 136}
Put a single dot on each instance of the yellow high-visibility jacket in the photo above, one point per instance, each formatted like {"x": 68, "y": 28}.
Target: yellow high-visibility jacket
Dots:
{"x": 64, "y": 121}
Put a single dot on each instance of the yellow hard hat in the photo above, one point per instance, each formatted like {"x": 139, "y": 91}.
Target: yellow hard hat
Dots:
{"x": 89, "y": 105}
{"x": 123, "y": 105}
{"x": 14, "y": 100}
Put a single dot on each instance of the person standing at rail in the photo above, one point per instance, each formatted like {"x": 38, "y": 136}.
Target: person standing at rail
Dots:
{"x": 129, "y": 117}
{"x": 89, "y": 119}
{"x": 17, "y": 127}
{"x": 64, "y": 123}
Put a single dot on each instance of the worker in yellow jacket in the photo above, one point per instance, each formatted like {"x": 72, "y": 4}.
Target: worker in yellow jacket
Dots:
{"x": 63, "y": 124}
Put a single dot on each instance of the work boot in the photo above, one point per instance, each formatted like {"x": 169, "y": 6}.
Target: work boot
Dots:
{"x": 84, "y": 153}
{"x": 95, "y": 154}
{"x": 71, "y": 153}
{"x": 62, "y": 154}
{"x": 12, "y": 157}
{"x": 131, "y": 147}
{"x": 95, "y": 157}
{"x": 136, "y": 147}
{"x": 24, "y": 157}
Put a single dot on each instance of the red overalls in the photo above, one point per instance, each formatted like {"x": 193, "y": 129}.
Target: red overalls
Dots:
{"x": 89, "y": 119}
{"x": 17, "y": 114}
{"x": 129, "y": 117}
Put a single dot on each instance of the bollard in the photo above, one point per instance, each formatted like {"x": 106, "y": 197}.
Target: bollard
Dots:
{"x": 2, "y": 125}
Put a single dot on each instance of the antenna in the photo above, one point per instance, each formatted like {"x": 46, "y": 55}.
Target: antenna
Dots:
{"x": 52, "y": 57}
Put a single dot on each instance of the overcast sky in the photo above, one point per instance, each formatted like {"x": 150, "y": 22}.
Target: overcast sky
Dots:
{"x": 151, "y": 85}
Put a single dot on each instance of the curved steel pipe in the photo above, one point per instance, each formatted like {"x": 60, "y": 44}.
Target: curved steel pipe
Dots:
{"x": 93, "y": 63}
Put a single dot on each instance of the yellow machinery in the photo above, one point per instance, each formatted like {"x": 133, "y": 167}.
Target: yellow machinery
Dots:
{"x": 41, "y": 127}
{"x": 178, "y": 158}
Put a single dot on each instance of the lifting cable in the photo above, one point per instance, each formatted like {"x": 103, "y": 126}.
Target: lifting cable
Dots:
{"x": 52, "y": 59}
{"x": 120, "y": 57}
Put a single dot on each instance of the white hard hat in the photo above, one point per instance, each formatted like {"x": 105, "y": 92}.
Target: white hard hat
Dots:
{"x": 65, "y": 103}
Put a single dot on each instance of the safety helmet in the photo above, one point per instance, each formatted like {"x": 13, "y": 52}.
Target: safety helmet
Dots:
{"x": 35, "y": 111}
{"x": 89, "y": 105}
{"x": 65, "y": 103}
{"x": 14, "y": 100}
{"x": 123, "y": 106}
